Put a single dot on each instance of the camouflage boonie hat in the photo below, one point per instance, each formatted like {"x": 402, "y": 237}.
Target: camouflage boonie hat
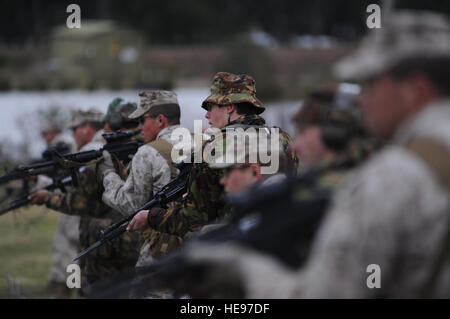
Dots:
{"x": 80, "y": 117}
{"x": 325, "y": 106}
{"x": 404, "y": 35}
{"x": 228, "y": 88}
{"x": 150, "y": 99}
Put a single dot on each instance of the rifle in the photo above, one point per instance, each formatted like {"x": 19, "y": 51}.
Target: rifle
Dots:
{"x": 169, "y": 193}
{"x": 119, "y": 144}
{"x": 265, "y": 219}
{"x": 23, "y": 200}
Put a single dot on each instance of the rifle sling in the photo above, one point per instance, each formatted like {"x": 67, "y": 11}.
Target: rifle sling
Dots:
{"x": 165, "y": 149}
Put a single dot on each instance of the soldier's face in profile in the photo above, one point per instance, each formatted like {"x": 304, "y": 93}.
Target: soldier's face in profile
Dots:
{"x": 48, "y": 136}
{"x": 238, "y": 180}
{"x": 217, "y": 116}
{"x": 149, "y": 128}
{"x": 308, "y": 145}
{"x": 79, "y": 135}
{"x": 383, "y": 105}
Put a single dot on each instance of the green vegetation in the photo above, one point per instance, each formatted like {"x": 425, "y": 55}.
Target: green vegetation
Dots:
{"x": 26, "y": 246}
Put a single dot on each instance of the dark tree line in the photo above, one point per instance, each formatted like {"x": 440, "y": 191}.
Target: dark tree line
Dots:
{"x": 199, "y": 21}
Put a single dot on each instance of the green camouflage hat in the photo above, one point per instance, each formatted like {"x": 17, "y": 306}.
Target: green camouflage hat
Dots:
{"x": 80, "y": 117}
{"x": 118, "y": 113}
{"x": 126, "y": 109}
{"x": 150, "y": 99}
{"x": 228, "y": 88}
{"x": 111, "y": 108}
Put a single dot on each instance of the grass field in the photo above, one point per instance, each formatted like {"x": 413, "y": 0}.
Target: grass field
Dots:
{"x": 26, "y": 246}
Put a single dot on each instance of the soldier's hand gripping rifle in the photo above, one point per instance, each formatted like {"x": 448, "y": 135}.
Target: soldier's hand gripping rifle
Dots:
{"x": 119, "y": 144}
{"x": 169, "y": 193}
{"x": 23, "y": 200}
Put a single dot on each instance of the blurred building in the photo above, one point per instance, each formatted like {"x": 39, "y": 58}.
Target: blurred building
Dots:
{"x": 106, "y": 53}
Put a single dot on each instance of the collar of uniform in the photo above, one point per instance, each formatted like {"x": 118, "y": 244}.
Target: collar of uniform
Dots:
{"x": 428, "y": 122}
{"x": 248, "y": 120}
{"x": 167, "y": 132}
{"x": 274, "y": 179}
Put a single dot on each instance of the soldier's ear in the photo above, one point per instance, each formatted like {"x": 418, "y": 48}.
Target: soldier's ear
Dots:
{"x": 256, "y": 169}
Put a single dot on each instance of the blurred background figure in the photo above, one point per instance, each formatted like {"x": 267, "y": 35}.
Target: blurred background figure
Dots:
{"x": 86, "y": 126}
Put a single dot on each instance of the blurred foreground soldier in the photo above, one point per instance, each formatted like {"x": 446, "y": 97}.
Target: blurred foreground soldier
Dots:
{"x": 232, "y": 105}
{"x": 85, "y": 201}
{"x": 387, "y": 232}
{"x": 150, "y": 169}
{"x": 241, "y": 165}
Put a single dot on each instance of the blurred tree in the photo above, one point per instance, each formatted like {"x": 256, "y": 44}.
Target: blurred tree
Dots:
{"x": 200, "y": 21}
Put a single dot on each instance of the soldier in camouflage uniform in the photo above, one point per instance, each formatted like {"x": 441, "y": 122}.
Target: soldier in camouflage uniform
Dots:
{"x": 150, "y": 169}
{"x": 387, "y": 231}
{"x": 85, "y": 201}
{"x": 232, "y": 104}
{"x": 65, "y": 243}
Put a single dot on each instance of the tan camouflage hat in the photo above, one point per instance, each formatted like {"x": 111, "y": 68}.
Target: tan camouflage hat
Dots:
{"x": 50, "y": 125}
{"x": 80, "y": 117}
{"x": 405, "y": 34}
{"x": 228, "y": 88}
{"x": 150, "y": 99}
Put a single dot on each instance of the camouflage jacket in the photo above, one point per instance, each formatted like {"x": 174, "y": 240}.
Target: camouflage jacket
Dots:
{"x": 204, "y": 201}
{"x": 148, "y": 172}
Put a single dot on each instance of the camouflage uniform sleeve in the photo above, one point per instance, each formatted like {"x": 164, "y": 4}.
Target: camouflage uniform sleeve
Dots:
{"x": 76, "y": 200}
{"x": 149, "y": 172}
{"x": 203, "y": 204}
